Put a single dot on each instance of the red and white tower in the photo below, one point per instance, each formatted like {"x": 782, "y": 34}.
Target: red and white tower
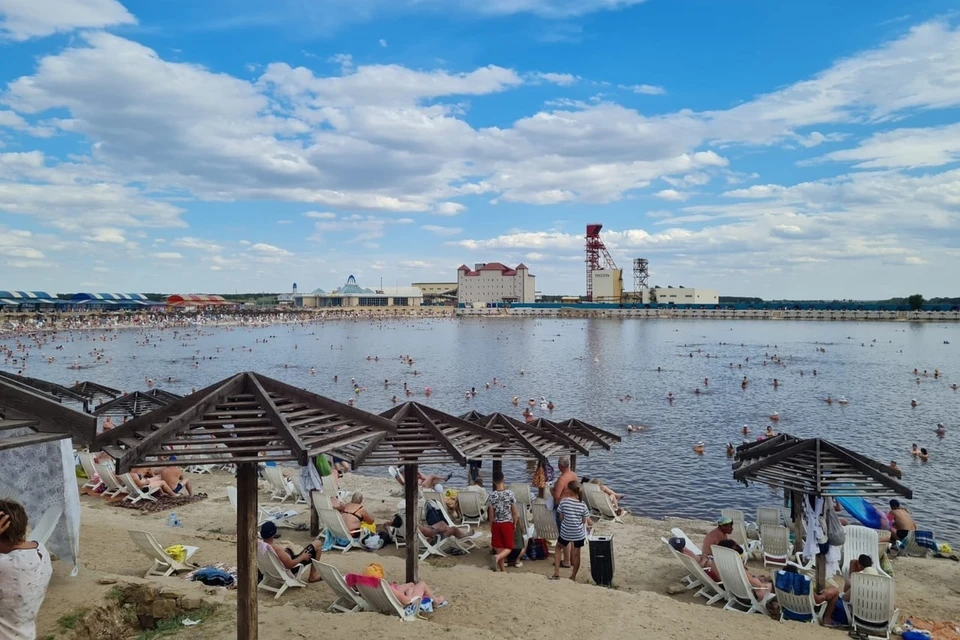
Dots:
{"x": 597, "y": 256}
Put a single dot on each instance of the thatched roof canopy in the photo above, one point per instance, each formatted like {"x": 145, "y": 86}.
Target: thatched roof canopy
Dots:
{"x": 526, "y": 440}
{"x": 245, "y": 418}
{"x": 815, "y": 467}
{"x": 586, "y": 435}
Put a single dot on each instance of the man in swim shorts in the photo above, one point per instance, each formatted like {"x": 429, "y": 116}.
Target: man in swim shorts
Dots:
{"x": 173, "y": 476}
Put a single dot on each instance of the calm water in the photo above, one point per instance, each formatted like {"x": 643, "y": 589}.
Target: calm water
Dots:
{"x": 587, "y": 366}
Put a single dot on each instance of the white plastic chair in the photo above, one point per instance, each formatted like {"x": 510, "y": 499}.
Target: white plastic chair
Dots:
{"x": 687, "y": 541}
{"x": 382, "y": 600}
{"x": 522, "y": 492}
{"x": 113, "y": 486}
{"x": 330, "y": 487}
{"x": 739, "y": 536}
{"x": 775, "y": 542}
{"x": 860, "y": 541}
{"x": 740, "y": 594}
{"x": 134, "y": 493}
{"x": 347, "y": 600}
{"x": 45, "y": 526}
{"x": 768, "y": 515}
{"x": 544, "y": 521}
{"x": 734, "y": 514}
{"x": 276, "y": 577}
{"x": 688, "y": 580}
{"x": 871, "y": 609}
{"x": 274, "y": 515}
{"x": 332, "y": 521}
{"x": 471, "y": 508}
{"x": 799, "y": 606}
{"x": 600, "y": 502}
{"x": 163, "y": 564}
{"x": 298, "y": 488}
{"x": 282, "y": 488}
{"x": 711, "y": 590}
{"x": 87, "y": 462}
{"x": 912, "y": 549}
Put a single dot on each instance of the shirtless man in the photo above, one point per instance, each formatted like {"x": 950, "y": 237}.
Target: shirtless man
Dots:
{"x": 145, "y": 479}
{"x": 431, "y": 531}
{"x": 173, "y": 476}
{"x": 719, "y": 534}
{"x": 903, "y": 522}
{"x": 559, "y": 487}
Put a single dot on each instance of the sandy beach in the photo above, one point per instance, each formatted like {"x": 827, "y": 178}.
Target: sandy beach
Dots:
{"x": 484, "y": 604}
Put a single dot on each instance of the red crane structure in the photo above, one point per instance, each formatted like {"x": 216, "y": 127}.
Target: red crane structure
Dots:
{"x": 597, "y": 256}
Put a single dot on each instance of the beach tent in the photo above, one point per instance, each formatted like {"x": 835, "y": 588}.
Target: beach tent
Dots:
{"x": 37, "y": 463}
{"x": 815, "y": 467}
{"x": 245, "y": 419}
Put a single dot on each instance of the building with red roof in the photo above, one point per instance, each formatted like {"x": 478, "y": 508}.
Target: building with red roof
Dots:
{"x": 495, "y": 283}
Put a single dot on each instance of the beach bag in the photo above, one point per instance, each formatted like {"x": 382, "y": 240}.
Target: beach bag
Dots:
{"x": 536, "y": 549}
{"x": 835, "y": 535}
{"x": 433, "y": 515}
{"x": 213, "y": 577}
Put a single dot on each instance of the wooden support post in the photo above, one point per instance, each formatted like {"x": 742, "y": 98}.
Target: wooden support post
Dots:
{"x": 411, "y": 497}
{"x": 573, "y": 462}
{"x": 247, "y": 551}
{"x": 821, "y": 571}
{"x": 314, "y": 517}
{"x": 497, "y": 468}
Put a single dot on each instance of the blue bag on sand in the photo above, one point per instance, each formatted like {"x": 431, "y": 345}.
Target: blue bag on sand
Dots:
{"x": 213, "y": 577}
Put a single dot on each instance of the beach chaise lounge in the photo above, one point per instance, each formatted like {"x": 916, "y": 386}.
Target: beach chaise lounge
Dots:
{"x": 348, "y": 600}
{"x": 380, "y": 598}
{"x": 330, "y": 488}
{"x": 273, "y": 514}
{"x": 472, "y": 509}
{"x": 871, "y": 609}
{"x": 298, "y": 489}
{"x": 87, "y": 463}
{"x": 689, "y": 581}
{"x": 795, "y": 596}
{"x": 768, "y": 515}
{"x": 521, "y": 491}
{"x": 740, "y": 536}
{"x": 134, "y": 493}
{"x": 860, "y": 540}
{"x": 42, "y": 531}
{"x": 544, "y": 521}
{"x": 710, "y": 590}
{"x": 113, "y": 486}
{"x": 740, "y": 594}
{"x": 163, "y": 563}
{"x": 734, "y": 514}
{"x": 282, "y": 488}
{"x": 276, "y": 577}
{"x": 678, "y": 532}
{"x": 599, "y": 502}
{"x": 775, "y": 545}
{"x": 343, "y": 538}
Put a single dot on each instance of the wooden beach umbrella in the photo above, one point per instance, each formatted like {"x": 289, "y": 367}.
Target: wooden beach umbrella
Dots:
{"x": 815, "y": 467}
{"x": 52, "y": 390}
{"x": 423, "y": 436}
{"x": 584, "y": 434}
{"x": 92, "y": 390}
{"x": 244, "y": 419}
{"x": 525, "y": 440}
{"x": 136, "y": 404}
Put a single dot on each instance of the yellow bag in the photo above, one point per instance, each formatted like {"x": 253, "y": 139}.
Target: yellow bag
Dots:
{"x": 178, "y": 552}
{"x": 369, "y": 527}
{"x": 945, "y": 549}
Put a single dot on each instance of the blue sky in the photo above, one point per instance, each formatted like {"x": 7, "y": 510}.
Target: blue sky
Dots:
{"x": 799, "y": 150}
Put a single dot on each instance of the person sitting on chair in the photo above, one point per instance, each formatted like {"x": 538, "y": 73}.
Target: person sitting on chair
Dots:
{"x": 290, "y": 560}
{"x": 354, "y": 513}
{"x": 431, "y": 531}
{"x": 426, "y": 482}
{"x": 830, "y": 595}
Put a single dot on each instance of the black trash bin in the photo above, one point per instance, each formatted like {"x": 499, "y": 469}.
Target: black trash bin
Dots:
{"x": 601, "y": 559}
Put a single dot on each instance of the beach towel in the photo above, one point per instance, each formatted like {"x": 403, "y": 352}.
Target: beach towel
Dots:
{"x": 331, "y": 540}
{"x": 793, "y": 583}
{"x": 925, "y": 539}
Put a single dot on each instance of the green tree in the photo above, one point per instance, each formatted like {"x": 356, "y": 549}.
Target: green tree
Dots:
{"x": 916, "y": 302}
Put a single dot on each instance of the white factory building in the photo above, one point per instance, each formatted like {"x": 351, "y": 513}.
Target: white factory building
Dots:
{"x": 494, "y": 282}
{"x": 684, "y": 295}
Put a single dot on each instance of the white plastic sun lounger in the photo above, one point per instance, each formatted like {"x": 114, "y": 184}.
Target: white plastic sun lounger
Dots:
{"x": 689, "y": 581}
{"x": 678, "y": 532}
{"x": 134, "y": 493}
{"x": 522, "y": 492}
{"x": 734, "y": 514}
{"x": 799, "y": 607}
{"x": 87, "y": 462}
{"x": 775, "y": 542}
{"x": 600, "y": 503}
{"x": 163, "y": 564}
{"x": 860, "y": 541}
{"x": 740, "y": 595}
{"x": 871, "y": 609}
{"x": 768, "y": 515}
{"x": 382, "y": 600}
{"x": 471, "y": 507}
{"x": 544, "y": 521}
{"x": 274, "y": 515}
{"x": 711, "y": 590}
{"x": 282, "y": 488}
{"x": 114, "y": 488}
{"x": 347, "y": 600}
{"x": 332, "y": 521}
{"x": 276, "y": 577}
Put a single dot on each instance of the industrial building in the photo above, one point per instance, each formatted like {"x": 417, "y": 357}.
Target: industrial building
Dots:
{"x": 683, "y": 295}
{"x": 495, "y": 283}
{"x": 353, "y": 296}
{"x": 607, "y": 285}
{"x": 437, "y": 292}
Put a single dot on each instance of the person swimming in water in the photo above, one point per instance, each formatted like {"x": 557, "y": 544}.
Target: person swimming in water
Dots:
{"x": 941, "y": 430}
{"x": 698, "y": 448}
{"x": 745, "y": 430}
{"x": 924, "y": 456}
{"x": 915, "y": 450}
{"x": 914, "y": 403}
{"x": 730, "y": 450}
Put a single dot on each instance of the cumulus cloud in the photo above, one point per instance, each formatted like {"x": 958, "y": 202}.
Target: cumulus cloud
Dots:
{"x": 442, "y": 231}
{"x": 904, "y": 148}
{"x": 168, "y": 255}
{"x": 24, "y": 19}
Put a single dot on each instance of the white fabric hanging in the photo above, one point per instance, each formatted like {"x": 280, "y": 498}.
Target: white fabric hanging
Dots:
{"x": 815, "y": 532}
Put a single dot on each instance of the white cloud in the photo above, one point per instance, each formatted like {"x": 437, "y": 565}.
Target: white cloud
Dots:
{"x": 24, "y": 19}
{"x": 269, "y": 250}
{"x": 672, "y": 195}
{"x": 107, "y": 235}
{"x": 320, "y": 215}
{"x": 197, "y": 244}
{"x": 442, "y": 231}
{"x": 906, "y": 148}
{"x": 415, "y": 264}
{"x": 383, "y": 43}
{"x": 562, "y": 79}
{"x": 449, "y": 208}
{"x": 168, "y": 255}
{"x": 645, "y": 89}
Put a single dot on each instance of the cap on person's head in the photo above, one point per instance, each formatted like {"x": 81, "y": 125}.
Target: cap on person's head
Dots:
{"x": 894, "y": 504}
{"x": 373, "y": 570}
{"x": 268, "y": 530}
{"x": 723, "y": 521}
{"x": 677, "y": 543}
{"x": 865, "y": 561}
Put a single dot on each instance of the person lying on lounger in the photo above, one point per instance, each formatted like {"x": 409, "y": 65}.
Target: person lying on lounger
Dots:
{"x": 761, "y": 585}
{"x": 613, "y": 495}
{"x": 174, "y": 478}
{"x": 431, "y": 531}
{"x": 409, "y": 591}
{"x": 145, "y": 479}
{"x": 294, "y": 562}
{"x": 426, "y": 482}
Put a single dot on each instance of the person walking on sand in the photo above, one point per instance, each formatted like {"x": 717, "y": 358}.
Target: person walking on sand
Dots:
{"x": 574, "y": 522}
{"x": 503, "y": 515}
{"x": 563, "y": 481}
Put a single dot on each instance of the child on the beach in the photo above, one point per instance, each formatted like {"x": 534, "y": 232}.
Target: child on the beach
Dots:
{"x": 503, "y": 515}
{"x": 574, "y": 522}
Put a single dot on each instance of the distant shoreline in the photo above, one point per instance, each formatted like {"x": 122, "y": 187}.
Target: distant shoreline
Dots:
{"x": 845, "y": 315}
